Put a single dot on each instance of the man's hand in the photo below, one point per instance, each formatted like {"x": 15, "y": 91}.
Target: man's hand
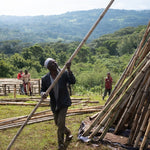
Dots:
{"x": 43, "y": 95}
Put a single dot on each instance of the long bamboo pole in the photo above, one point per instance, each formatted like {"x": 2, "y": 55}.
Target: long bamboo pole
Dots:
{"x": 142, "y": 129}
{"x": 62, "y": 71}
{"x": 145, "y": 136}
{"x": 138, "y": 113}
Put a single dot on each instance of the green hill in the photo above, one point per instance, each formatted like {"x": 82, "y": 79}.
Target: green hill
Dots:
{"x": 71, "y": 26}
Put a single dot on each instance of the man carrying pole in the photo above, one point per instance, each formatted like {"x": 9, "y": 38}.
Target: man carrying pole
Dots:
{"x": 60, "y": 99}
{"x": 61, "y": 72}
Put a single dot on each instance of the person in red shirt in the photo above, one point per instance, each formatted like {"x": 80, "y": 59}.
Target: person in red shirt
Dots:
{"x": 108, "y": 85}
{"x": 20, "y": 77}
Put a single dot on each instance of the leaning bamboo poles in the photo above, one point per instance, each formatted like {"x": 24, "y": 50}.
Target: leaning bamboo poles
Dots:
{"x": 110, "y": 103}
{"x": 111, "y": 115}
{"x": 117, "y": 105}
{"x": 128, "y": 107}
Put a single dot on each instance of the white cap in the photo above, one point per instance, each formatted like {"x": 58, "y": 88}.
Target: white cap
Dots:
{"x": 47, "y": 61}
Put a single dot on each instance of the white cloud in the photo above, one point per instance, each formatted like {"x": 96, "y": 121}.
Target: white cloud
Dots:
{"x": 49, "y": 7}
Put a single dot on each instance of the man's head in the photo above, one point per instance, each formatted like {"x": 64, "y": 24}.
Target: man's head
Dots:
{"x": 108, "y": 74}
{"x": 26, "y": 71}
{"x": 51, "y": 64}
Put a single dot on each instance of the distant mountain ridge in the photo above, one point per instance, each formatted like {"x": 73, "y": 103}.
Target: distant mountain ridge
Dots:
{"x": 71, "y": 26}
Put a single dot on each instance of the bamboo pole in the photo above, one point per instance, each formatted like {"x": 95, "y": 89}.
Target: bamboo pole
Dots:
{"x": 142, "y": 117}
{"x": 142, "y": 129}
{"x": 122, "y": 120}
{"x": 62, "y": 71}
{"x": 145, "y": 137}
{"x": 138, "y": 113}
{"x": 139, "y": 49}
{"x": 111, "y": 120}
{"x": 146, "y": 49}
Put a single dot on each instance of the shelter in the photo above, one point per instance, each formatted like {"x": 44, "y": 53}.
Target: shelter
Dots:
{"x": 128, "y": 107}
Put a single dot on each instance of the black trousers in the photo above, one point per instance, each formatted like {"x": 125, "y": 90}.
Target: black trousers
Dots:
{"x": 59, "y": 118}
{"x": 106, "y": 91}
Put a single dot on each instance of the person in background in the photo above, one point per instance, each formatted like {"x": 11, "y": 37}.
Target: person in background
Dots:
{"x": 20, "y": 77}
{"x": 26, "y": 82}
{"x": 108, "y": 85}
{"x": 59, "y": 98}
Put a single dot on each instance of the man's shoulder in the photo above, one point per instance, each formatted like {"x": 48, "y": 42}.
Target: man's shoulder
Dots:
{"x": 46, "y": 76}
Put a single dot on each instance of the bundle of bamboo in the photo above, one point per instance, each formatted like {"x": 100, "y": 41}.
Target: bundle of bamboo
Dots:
{"x": 128, "y": 106}
{"x": 43, "y": 116}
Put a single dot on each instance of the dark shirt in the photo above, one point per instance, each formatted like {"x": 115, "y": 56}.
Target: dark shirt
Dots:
{"x": 63, "y": 100}
{"x": 108, "y": 82}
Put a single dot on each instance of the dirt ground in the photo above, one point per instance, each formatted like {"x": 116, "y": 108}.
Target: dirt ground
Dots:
{"x": 115, "y": 142}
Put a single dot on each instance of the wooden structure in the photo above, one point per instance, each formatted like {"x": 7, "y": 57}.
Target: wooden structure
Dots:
{"x": 128, "y": 106}
{"x": 12, "y": 85}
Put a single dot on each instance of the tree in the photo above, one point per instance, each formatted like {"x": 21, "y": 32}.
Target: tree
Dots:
{"x": 6, "y": 69}
{"x": 18, "y": 61}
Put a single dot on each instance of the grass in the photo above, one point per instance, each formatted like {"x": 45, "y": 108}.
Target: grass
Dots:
{"x": 42, "y": 136}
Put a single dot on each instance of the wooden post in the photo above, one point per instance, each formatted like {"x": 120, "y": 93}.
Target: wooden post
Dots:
{"x": 27, "y": 88}
{"x": 14, "y": 90}
{"x": 39, "y": 86}
{"x": 62, "y": 71}
{"x": 8, "y": 89}
{"x": 4, "y": 89}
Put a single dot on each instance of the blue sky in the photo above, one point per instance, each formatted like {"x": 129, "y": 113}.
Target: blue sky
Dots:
{"x": 54, "y": 7}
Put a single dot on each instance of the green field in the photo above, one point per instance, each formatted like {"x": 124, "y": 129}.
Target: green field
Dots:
{"x": 43, "y": 136}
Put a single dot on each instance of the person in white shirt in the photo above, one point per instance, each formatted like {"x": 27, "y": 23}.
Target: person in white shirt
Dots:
{"x": 26, "y": 82}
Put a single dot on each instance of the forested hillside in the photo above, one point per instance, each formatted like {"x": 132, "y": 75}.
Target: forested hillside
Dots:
{"x": 68, "y": 27}
{"x": 108, "y": 53}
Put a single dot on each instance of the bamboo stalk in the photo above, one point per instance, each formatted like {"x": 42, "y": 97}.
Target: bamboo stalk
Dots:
{"x": 59, "y": 75}
{"x": 142, "y": 127}
{"x": 139, "y": 49}
{"x": 141, "y": 119}
{"x": 108, "y": 124}
{"x": 122, "y": 120}
{"x": 138, "y": 113}
{"x": 24, "y": 104}
{"x": 145, "y": 50}
{"x": 145, "y": 137}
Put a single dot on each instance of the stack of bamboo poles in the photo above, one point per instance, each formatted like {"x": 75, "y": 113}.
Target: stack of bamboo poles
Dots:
{"x": 128, "y": 107}
{"x": 43, "y": 116}
{"x": 45, "y": 103}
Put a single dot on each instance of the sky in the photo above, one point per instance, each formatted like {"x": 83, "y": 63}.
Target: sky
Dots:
{"x": 56, "y": 7}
